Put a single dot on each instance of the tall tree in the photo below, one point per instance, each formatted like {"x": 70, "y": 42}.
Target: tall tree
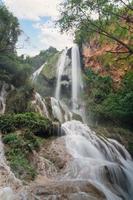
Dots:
{"x": 99, "y": 16}
{"x": 9, "y": 30}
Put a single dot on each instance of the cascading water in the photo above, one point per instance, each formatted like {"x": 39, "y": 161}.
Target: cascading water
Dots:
{"x": 37, "y": 72}
{"x": 76, "y": 77}
{"x": 38, "y": 100}
{"x": 3, "y": 95}
{"x": 69, "y": 73}
{"x": 60, "y": 111}
{"x": 40, "y": 105}
{"x": 102, "y": 162}
{"x": 60, "y": 69}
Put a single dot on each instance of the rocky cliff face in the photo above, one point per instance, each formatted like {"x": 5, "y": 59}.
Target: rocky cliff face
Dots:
{"x": 106, "y": 59}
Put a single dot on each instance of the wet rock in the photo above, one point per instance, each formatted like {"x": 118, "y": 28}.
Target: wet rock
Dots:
{"x": 69, "y": 190}
{"x": 6, "y": 194}
{"x": 55, "y": 151}
{"x": 77, "y": 117}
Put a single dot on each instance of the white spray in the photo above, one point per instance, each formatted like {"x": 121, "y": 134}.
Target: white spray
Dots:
{"x": 60, "y": 70}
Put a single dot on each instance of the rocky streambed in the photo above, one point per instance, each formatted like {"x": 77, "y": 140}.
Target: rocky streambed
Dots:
{"x": 51, "y": 162}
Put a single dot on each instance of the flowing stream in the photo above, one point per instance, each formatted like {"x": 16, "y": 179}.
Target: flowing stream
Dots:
{"x": 105, "y": 163}
{"x": 40, "y": 105}
{"x": 3, "y": 95}
{"x": 102, "y": 162}
{"x": 71, "y": 71}
{"x": 60, "y": 70}
{"x": 76, "y": 78}
{"x": 37, "y": 72}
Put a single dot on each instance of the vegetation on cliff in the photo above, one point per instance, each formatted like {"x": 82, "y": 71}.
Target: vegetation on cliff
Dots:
{"x": 32, "y": 121}
{"x": 105, "y": 33}
{"x": 14, "y": 69}
{"x": 107, "y": 103}
{"x": 23, "y": 135}
{"x": 110, "y": 19}
{"x": 19, "y": 148}
{"x": 20, "y": 127}
{"x": 47, "y": 77}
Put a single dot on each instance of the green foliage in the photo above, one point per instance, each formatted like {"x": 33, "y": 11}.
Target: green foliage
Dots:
{"x": 112, "y": 20}
{"x": 43, "y": 57}
{"x": 13, "y": 69}
{"x": 18, "y": 99}
{"x": 108, "y": 60}
{"x": 50, "y": 69}
{"x": 99, "y": 87}
{"x": 130, "y": 148}
{"x": 32, "y": 121}
{"x": 119, "y": 105}
{"x": 18, "y": 150}
{"x": 9, "y": 30}
{"x": 47, "y": 77}
{"x": 106, "y": 103}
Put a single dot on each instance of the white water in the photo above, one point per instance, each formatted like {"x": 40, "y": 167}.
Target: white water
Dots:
{"x": 3, "y": 95}
{"x": 60, "y": 111}
{"x": 60, "y": 70}
{"x": 103, "y": 162}
{"x": 76, "y": 77}
{"x": 7, "y": 179}
{"x": 40, "y": 105}
{"x": 37, "y": 72}
{"x": 6, "y": 194}
{"x": 72, "y": 70}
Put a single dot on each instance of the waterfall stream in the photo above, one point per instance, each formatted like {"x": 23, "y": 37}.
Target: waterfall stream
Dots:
{"x": 40, "y": 105}
{"x": 103, "y": 162}
{"x": 37, "y": 72}
{"x": 60, "y": 70}
{"x": 3, "y": 95}
{"x": 72, "y": 71}
{"x": 76, "y": 78}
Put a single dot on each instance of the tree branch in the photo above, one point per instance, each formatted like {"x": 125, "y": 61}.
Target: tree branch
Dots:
{"x": 127, "y": 5}
{"x": 100, "y": 30}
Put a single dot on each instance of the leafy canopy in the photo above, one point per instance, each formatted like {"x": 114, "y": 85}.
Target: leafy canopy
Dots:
{"x": 9, "y": 30}
{"x": 110, "y": 18}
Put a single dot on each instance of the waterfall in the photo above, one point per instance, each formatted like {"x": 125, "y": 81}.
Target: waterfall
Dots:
{"x": 40, "y": 105}
{"x": 69, "y": 78}
{"x": 76, "y": 77}
{"x": 102, "y": 162}
{"x": 60, "y": 111}
{"x": 37, "y": 72}
{"x": 60, "y": 69}
{"x": 3, "y": 95}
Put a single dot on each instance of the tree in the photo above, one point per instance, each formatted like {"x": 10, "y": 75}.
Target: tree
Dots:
{"x": 99, "y": 16}
{"x": 9, "y": 30}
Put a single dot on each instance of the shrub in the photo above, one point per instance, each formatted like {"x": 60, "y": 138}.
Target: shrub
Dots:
{"x": 32, "y": 121}
{"x": 18, "y": 150}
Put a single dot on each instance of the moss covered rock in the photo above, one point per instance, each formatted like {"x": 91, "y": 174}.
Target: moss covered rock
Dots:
{"x": 19, "y": 148}
{"x": 32, "y": 121}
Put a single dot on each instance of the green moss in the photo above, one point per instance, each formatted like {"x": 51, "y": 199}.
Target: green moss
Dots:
{"x": 107, "y": 60}
{"x": 18, "y": 99}
{"x": 49, "y": 70}
{"x": 31, "y": 121}
{"x": 18, "y": 150}
{"x": 109, "y": 104}
{"x": 130, "y": 147}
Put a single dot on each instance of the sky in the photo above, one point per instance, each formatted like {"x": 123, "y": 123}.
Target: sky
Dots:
{"x": 37, "y": 21}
